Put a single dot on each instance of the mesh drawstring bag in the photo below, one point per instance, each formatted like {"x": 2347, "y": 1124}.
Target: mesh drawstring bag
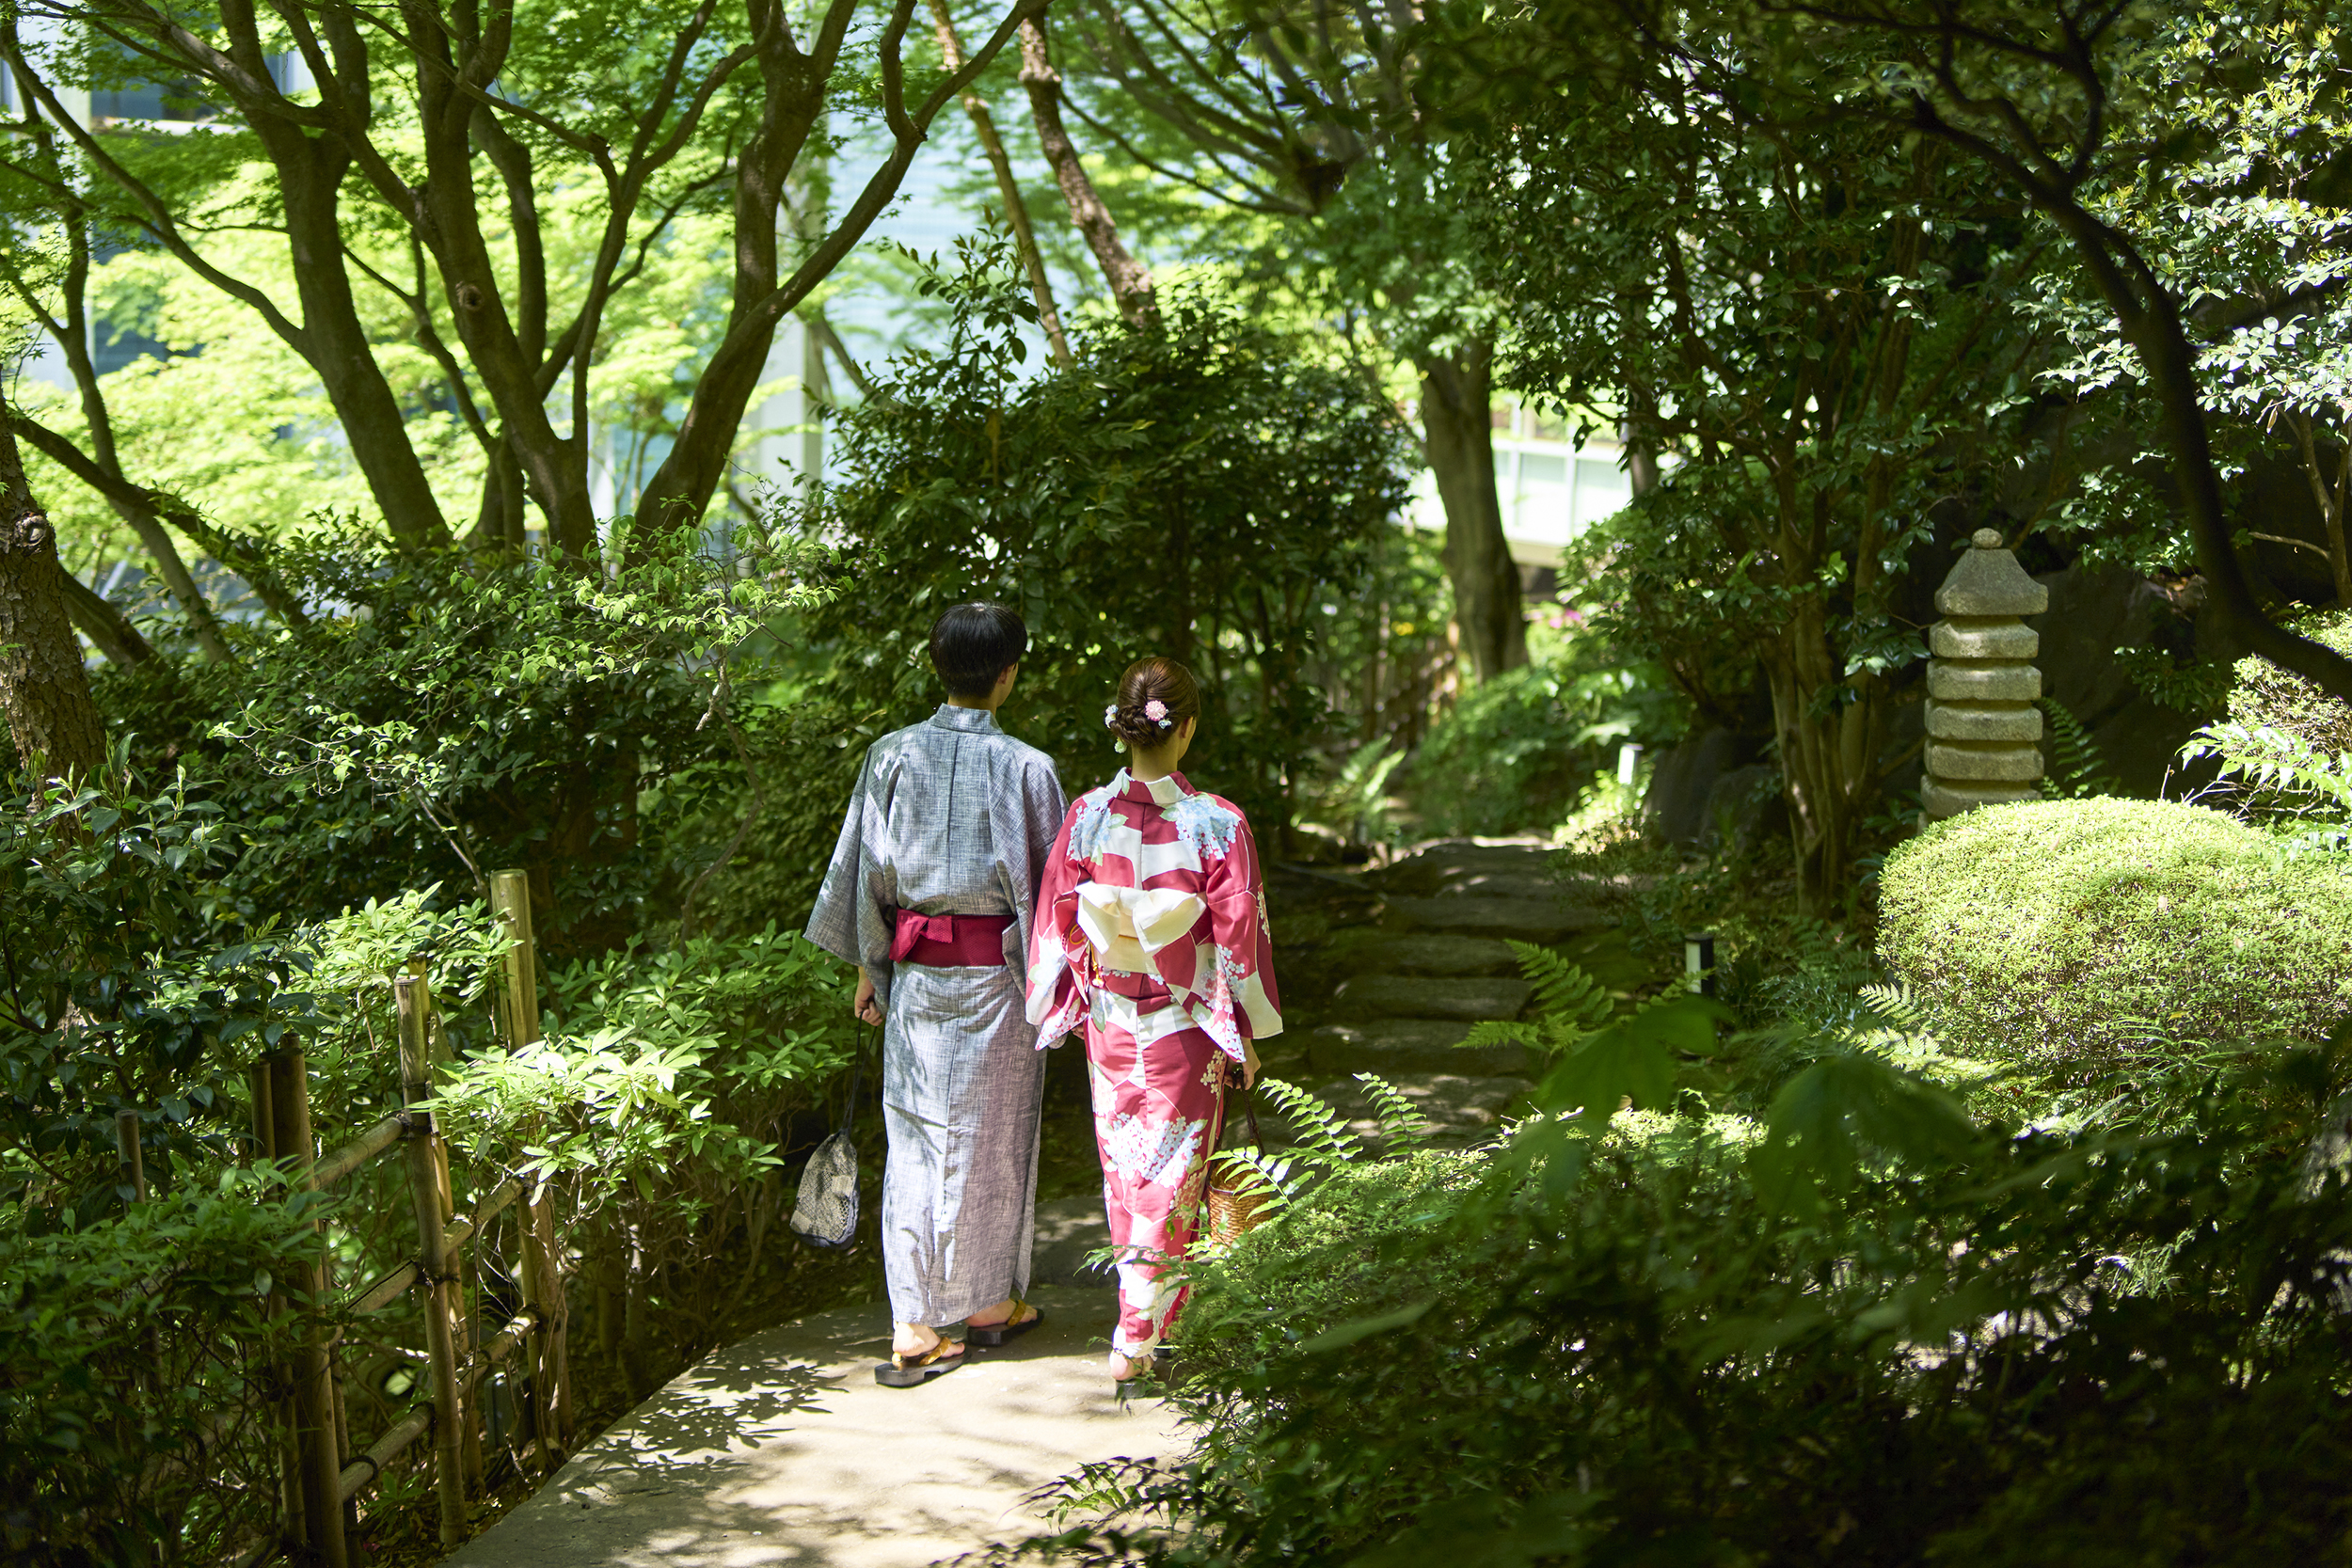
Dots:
{"x": 824, "y": 1212}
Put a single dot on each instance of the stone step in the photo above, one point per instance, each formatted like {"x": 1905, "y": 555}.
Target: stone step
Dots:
{"x": 1421, "y": 996}
{"x": 1539, "y": 885}
{"x": 1537, "y": 920}
{"x": 1437, "y": 953}
{"x": 1435, "y": 867}
{"x": 1391, "y": 1045}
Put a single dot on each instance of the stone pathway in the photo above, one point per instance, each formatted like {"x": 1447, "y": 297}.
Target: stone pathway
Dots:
{"x": 1385, "y": 970}
{"x": 783, "y": 1449}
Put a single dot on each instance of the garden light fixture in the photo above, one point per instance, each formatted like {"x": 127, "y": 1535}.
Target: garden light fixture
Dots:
{"x": 1698, "y": 962}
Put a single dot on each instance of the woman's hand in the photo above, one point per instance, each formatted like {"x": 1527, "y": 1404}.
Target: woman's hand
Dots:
{"x": 1248, "y": 1065}
{"x": 864, "y": 1007}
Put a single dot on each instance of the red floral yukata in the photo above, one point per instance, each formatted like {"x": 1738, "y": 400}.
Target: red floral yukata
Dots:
{"x": 1151, "y": 934}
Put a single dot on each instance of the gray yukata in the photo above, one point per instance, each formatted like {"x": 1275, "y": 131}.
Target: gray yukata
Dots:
{"x": 951, "y": 817}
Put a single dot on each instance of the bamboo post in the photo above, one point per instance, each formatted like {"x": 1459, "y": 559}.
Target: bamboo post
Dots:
{"x": 550, "y": 1373}
{"x": 510, "y": 900}
{"x": 310, "y": 1400}
{"x": 469, "y": 1390}
{"x": 413, "y": 999}
{"x": 131, "y": 1170}
{"x": 465, "y": 1286}
{"x": 290, "y": 1490}
{"x": 542, "y": 1277}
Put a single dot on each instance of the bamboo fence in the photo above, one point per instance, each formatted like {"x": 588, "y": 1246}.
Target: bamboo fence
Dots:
{"x": 322, "y": 1474}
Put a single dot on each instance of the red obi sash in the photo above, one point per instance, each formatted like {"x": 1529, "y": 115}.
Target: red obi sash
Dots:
{"x": 951, "y": 941}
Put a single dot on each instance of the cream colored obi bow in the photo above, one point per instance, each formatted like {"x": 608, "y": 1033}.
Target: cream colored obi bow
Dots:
{"x": 1127, "y": 925}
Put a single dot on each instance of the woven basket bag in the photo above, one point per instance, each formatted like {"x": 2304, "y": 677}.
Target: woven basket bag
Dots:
{"x": 1233, "y": 1211}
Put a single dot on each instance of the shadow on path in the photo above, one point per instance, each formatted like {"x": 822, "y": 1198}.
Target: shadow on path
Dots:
{"x": 782, "y": 1449}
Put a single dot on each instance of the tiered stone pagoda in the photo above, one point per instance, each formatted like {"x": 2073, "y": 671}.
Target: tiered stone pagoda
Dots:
{"x": 1983, "y": 729}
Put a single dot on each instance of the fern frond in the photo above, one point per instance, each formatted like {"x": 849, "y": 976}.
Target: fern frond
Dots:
{"x": 1277, "y": 1181}
{"x": 1321, "y": 1131}
{"x": 1399, "y": 1120}
{"x": 2076, "y": 764}
{"x": 1895, "y": 1006}
{"x": 2268, "y": 759}
{"x": 1563, "y": 990}
{"x": 1506, "y": 1031}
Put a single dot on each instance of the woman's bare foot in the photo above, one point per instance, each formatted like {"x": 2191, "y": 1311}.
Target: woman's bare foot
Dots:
{"x": 912, "y": 1339}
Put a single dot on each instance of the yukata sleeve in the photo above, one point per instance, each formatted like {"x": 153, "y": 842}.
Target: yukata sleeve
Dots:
{"x": 851, "y": 921}
{"x": 1239, "y": 996}
{"x": 1028, "y": 817}
{"x": 1060, "y": 988}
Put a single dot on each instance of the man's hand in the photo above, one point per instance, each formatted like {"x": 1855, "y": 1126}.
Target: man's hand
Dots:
{"x": 864, "y": 1007}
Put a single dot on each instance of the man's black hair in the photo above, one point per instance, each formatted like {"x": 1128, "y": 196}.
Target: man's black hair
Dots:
{"x": 974, "y": 644}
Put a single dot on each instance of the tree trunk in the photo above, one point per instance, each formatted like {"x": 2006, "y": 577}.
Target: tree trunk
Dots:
{"x": 43, "y": 687}
{"x": 334, "y": 338}
{"x": 103, "y": 623}
{"x": 243, "y": 556}
{"x": 1130, "y": 280}
{"x": 1828, "y": 759}
{"x": 1016, "y": 207}
{"x": 1457, "y": 398}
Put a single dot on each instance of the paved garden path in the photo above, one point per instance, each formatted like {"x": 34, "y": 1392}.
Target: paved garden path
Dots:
{"x": 783, "y": 1450}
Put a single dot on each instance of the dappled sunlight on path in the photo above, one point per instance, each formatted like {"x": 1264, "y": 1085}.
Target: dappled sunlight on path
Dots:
{"x": 783, "y": 1450}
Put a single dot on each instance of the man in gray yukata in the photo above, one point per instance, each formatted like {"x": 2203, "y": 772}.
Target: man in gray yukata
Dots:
{"x": 930, "y": 894}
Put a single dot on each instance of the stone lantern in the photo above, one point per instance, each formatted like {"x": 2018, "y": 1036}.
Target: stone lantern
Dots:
{"x": 1983, "y": 729}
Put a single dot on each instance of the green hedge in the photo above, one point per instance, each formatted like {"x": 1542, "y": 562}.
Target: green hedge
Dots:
{"x": 2064, "y": 928}
{"x": 2264, "y": 695}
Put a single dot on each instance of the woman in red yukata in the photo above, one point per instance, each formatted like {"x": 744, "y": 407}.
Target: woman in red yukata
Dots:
{"x": 1151, "y": 934}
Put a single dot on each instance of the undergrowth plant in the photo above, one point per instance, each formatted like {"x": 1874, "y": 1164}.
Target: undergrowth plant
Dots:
{"x": 1567, "y": 1006}
{"x": 2076, "y": 768}
{"x": 1581, "y": 1349}
{"x": 2068, "y": 935}
{"x": 1355, "y": 801}
{"x": 1321, "y": 1143}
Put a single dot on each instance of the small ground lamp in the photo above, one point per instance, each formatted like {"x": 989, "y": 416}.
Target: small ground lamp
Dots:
{"x": 1698, "y": 962}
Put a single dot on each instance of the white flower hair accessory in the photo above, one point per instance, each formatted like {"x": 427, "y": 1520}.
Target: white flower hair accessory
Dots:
{"x": 1156, "y": 711}
{"x": 1110, "y": 714}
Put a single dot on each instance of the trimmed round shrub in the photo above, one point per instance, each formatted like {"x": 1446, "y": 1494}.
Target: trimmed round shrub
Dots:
{"x": 2068, "y": 929}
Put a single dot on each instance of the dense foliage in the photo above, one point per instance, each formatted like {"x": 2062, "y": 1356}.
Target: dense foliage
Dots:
{"x": 1816, "y": 1314}
{"x": 325, "y": 811}
{"x": 453, "y": 718}
{"x": 1802, "y": 355}
{"x": 1197, "y": 491}
{"x": 1517, "y": 753}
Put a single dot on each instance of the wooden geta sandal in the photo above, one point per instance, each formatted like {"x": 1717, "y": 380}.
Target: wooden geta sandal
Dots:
{"x": 1012, "y": 1328}
{"x": 912, "y": 1370}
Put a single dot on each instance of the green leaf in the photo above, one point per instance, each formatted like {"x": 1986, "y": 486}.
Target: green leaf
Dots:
{"x": 1636, "y": 1057}
{"x": 1364, "y": 1329}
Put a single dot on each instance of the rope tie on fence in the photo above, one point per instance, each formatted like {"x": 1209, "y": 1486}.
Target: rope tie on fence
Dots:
{"x": 427, "y": 1278}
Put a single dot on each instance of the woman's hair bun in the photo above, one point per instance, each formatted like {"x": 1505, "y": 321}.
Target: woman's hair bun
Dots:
{"x": 1155, "y": 696}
